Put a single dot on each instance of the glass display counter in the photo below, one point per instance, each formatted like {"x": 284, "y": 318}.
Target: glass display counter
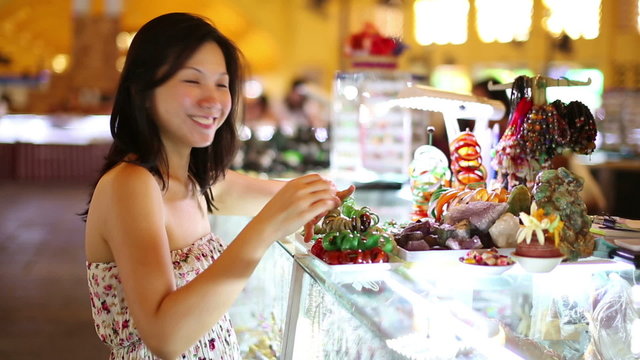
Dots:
{"x": 62, "y": 147}
{"x": 448, "y": 312}
{"x": 305, "y": 309}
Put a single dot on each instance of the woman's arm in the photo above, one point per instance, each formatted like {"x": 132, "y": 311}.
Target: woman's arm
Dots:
{"x": 243, "y": 195}
{"x": 171, "y": 319}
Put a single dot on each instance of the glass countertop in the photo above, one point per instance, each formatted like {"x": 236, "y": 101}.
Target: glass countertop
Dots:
{"x": 437, "y": 309}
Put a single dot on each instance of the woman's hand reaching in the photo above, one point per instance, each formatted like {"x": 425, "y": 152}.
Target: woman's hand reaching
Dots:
{"x": 309, "y": 227}
{"x": 298, "y": 202}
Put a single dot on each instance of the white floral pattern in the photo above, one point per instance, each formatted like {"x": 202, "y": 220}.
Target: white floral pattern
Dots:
{"x": 116, "y": 328}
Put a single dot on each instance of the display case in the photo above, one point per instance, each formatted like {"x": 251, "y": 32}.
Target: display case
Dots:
{"x": 576, "y": 311}
{"x": 63, "y": 147}
{"x": 370, "y": 141}
{"x": 442, "y": 310}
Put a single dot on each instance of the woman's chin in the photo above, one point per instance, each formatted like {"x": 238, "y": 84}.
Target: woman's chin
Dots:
{"x": 202, "y": 145}
{"x": 203, "y": 141}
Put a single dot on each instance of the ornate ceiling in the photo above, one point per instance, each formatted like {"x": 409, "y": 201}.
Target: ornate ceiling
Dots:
{"x": 33, "y": 31}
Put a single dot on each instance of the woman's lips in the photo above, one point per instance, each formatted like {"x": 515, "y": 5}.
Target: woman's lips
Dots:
{"x": 204, "y": 121}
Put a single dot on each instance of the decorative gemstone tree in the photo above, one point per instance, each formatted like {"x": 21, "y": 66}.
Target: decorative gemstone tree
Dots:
{"x": 558, "y": 192}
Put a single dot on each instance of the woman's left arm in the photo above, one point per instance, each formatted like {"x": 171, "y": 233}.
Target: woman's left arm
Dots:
{"x": 243, "y": 195}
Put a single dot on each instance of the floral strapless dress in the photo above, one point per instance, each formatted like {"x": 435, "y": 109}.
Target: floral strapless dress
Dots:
{"x": 116, "y": 328}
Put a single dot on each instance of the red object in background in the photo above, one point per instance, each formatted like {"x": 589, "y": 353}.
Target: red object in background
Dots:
{"x": 362, "y": 40}
{"x": 382, "y": 46}
{"x": 369, "y": 41}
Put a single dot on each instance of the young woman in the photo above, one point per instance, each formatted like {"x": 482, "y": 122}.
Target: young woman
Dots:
{"x": 160, "y": 283}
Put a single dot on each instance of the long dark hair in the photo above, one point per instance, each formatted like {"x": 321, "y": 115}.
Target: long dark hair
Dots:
{"x": 159, "y": 49}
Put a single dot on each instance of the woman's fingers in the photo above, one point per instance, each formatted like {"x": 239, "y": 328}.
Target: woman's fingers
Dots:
{"x": 304, "y": 201}
{"x": 346, "y": 192}
{"x": 318, "y": 189}
{"x": 338, "y": 199}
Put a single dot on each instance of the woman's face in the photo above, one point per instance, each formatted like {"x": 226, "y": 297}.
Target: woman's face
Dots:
{"x": 192, "y": 104}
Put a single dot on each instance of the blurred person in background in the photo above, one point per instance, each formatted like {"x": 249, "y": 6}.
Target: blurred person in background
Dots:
{"x": 481, "y": 89}
{"x": 303, "y": 108}
{"x": 258, "y": 150}
{"x": 304, "y": 134}
{"x": 259, "y": 116}
{"x": 5, "y": 105}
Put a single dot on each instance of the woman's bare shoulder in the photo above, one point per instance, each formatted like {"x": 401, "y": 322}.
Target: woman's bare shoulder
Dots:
{"x": 126, "y": 177}
{"x": 121, "y": 197}
{"x": 123, "y": 188}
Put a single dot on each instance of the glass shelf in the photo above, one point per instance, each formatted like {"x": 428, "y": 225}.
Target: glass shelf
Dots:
{"x": 424, "y": 313}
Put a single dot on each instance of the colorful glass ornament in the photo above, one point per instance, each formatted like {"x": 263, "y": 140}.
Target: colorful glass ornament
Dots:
{"x": 428, "y": 171}
{"x": 466, "y": 160}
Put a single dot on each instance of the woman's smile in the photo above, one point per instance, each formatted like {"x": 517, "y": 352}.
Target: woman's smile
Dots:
{"x": 206, "y": 122}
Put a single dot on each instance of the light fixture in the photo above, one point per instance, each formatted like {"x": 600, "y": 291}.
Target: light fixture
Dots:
{"x": 60, "y": 63}
{"x": 453, "y": 106}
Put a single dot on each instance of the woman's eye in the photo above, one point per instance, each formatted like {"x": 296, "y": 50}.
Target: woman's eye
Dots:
{"x": 192, "y": 81}
{"x": 223, "y": 85}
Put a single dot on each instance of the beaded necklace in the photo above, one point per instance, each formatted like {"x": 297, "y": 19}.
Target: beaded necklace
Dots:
{"x": 538, "y": 131}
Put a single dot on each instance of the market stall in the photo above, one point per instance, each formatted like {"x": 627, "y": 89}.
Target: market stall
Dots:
{"x": 456, "y": 264}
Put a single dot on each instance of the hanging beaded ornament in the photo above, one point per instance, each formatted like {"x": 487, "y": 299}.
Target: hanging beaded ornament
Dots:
{"x": 580, "y": 120}
{"x": 544, "y": 133}
{"x": 513, "y": 165}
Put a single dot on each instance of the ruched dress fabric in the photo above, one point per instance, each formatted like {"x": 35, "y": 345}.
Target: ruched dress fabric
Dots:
{"x": 116, "y": 328}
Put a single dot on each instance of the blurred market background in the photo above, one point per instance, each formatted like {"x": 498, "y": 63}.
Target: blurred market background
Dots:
{"x": 60, "y": 63}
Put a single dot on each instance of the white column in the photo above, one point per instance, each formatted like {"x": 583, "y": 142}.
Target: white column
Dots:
{"x": 113, "y": 8}
{"x": 81, "y": 7}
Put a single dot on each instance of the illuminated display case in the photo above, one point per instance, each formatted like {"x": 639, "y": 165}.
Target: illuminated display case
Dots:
{"x": 371, "y": 125}
{"x": 370, "y": 141}
{"x": 587, "y": 309}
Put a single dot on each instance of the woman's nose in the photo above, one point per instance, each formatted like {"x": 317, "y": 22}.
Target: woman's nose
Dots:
{"x": 209, "y": 100}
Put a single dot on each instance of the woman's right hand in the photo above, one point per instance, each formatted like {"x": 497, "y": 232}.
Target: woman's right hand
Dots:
{"x": 299, "y": 201}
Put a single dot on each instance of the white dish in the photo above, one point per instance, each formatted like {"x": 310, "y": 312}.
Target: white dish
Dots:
{"x": 486, "y": 269}
{"x": 537, "y": 265}
{"x": 438, "y": 256}
{"x": 393, "y": 263}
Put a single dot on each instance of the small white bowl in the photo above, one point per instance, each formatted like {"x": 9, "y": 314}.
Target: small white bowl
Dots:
{"x": 537, "y": 265}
